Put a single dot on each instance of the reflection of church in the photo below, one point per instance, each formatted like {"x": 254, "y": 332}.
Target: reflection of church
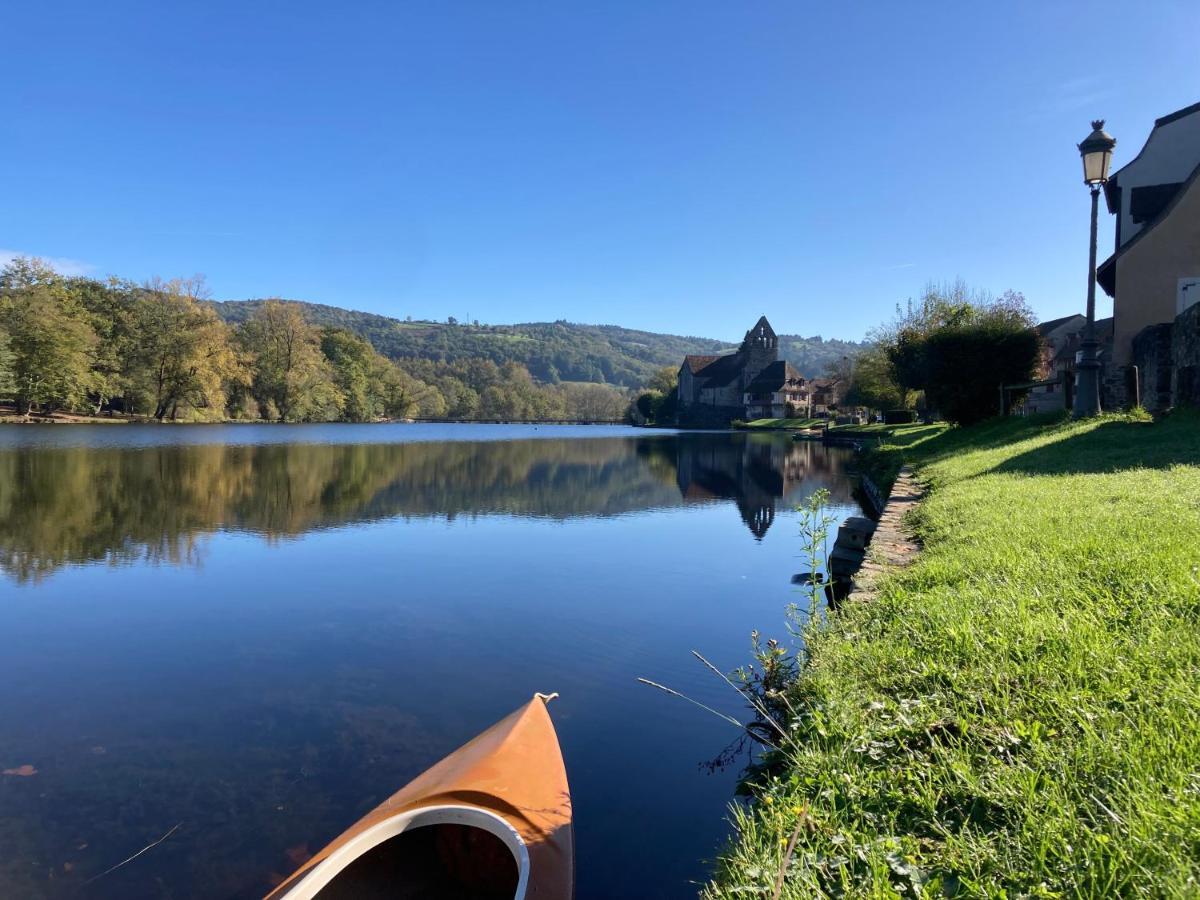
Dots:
{"x": 755, "y": 474}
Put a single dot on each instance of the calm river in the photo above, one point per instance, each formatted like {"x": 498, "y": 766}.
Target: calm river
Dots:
{"x": 259, "y": 632}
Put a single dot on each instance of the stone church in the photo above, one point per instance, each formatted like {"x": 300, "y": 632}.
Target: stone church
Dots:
{"x": 751, "y": 383}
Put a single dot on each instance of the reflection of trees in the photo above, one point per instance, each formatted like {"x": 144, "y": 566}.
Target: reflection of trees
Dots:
{"x": 75, "y": 505}
{"x": 757, "y": 472}
{"x": 61, "y": 506}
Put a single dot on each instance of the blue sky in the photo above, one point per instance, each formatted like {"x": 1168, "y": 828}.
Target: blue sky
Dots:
{"x": 675, "y": 166}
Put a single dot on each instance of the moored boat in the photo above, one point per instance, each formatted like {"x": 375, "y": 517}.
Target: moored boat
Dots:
{"x": 491, "y": 820}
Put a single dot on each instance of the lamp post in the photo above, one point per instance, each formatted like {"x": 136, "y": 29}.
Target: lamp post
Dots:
{"x": 1096, "y": 151}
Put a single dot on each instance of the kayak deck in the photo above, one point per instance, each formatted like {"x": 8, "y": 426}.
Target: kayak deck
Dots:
{"x": 496, "y": 808}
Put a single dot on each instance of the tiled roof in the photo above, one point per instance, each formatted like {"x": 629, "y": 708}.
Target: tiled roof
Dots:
{"x": 1047, "y": 327}
{"x": 772, "y": 378}
{"x": 723, "y": 370}
{"x": 696, "y": 363}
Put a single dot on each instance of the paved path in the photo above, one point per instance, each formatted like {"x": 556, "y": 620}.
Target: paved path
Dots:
{"x": 892, "y": 546}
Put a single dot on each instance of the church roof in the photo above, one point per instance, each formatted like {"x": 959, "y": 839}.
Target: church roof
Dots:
{"x": 773, "y": 377}
{"x": 723, "y": 370}
{"x": 697, "y": 362}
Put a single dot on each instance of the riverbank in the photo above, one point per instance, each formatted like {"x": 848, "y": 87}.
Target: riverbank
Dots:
{"x": 1019, "y": 710}
{"x": 779, "y": 424}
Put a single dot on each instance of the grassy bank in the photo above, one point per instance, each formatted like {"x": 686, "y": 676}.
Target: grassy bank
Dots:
{"x": 1018, "y": 714}
{"x": 780, "y": 424}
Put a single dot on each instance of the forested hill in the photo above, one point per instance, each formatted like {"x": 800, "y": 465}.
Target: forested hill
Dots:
{"x": 552, "y": 351}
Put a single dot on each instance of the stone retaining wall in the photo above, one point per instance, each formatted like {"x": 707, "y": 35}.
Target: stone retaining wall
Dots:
{"x": 1168, "y": 361}
{"x": 891, "y": 546}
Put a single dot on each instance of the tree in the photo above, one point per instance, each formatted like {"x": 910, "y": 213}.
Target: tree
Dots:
{"x": 50, "y": 337}
{"x": 182, "y": 354}
{"x": 664, "y": 380}
{"x": 969, "y": 361}
{"x": 958, "y": 346}
{"x": 593, "y": 402}
{"x": 291, "y": 378}
{"x": 110, "y": 306}
{"x": 354, "y": 370}
{"x": 8, "y": 384}
{"x": 872, "y": 383}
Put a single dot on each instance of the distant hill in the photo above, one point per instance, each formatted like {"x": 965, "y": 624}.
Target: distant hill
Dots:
{"x": 552, "y": 351}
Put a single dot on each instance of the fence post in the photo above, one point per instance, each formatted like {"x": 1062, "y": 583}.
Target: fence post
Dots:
{"x": 1133, "y": 381}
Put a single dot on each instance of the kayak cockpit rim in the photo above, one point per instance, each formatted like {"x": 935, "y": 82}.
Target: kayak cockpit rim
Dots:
{"x": 471, "y": 816}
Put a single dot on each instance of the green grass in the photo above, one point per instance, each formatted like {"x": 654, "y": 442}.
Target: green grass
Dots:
{"x": 1018, "y": 714}
{"x": 874, "y": 428}
{"x": 782, "y": 423}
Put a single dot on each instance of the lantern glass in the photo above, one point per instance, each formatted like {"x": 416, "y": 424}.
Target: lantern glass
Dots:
{"x": 1095, "y": 166}
{"x": 1096, "y": 151}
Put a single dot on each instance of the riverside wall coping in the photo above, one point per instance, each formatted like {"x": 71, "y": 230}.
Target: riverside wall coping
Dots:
{"x": 892, "y": 546}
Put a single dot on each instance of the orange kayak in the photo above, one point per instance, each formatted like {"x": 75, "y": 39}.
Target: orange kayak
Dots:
{"x": 491, "y": 820}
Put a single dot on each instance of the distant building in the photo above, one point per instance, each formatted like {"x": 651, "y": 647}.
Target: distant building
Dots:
{"x": 751, "y": 383}
{"x": 825, "y": 396}
{"x": 1061, "y": 339}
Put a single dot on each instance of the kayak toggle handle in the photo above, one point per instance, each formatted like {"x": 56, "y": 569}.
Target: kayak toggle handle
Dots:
{"x": 546, "y": 698}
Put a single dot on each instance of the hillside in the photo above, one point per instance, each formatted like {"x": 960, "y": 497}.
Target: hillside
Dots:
{"x": 552, "y": 351}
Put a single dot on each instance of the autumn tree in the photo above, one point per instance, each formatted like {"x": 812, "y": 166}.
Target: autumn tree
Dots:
{"x": 872, "y": 383}
{"x": 7, "y": 382}
{"x": 291, "y": 378}
{"x": 182, "y": 351}
{"x": 111, "y": 306}
{"x": 357, "y": 372}
{"x": 664, "y": 380}
{"x": 50, "y": 338}
{"x": 593, "y": 402}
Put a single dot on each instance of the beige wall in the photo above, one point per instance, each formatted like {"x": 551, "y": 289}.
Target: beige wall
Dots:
{"x": 1148, "y": 273}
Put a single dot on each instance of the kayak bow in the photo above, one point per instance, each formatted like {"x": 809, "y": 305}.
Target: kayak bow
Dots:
{"x": 491, "y": 820}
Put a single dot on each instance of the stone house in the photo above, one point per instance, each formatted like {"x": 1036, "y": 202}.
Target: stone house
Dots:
{"x": 1154, "y": 272}
{"x": 750, "y": 383}
{"x": 775, "y": 391}
{"x": 1061, "y": 339}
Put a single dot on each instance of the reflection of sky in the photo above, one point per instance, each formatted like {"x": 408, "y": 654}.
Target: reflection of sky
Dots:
{"x": 128, "y": 435}
{"x": 272, "y": 692}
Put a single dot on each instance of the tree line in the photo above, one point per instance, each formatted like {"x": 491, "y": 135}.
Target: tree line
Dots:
{"x": 159, "y": 350}
{"x": 947, "y": 354}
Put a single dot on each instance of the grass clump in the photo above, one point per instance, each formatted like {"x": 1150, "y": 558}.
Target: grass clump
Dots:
{"x": 1018, "y": 713}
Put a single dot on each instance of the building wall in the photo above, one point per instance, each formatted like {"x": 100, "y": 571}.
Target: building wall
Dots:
{"x": 1170, "y": 155}
{"x": 755, "y": 360}
{"x": 1149, "y": 271}
{"x": 1185, "y": 358}
{"x": 729, "y": 395}
{"x": 1168, "y": 361}
{"x": 687, "y": 386}
{"x": 1152, "y": 356}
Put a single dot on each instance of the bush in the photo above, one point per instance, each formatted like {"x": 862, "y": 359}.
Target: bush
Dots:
{"x": 899, "y": 417}
{"x": 968, "y": 364}
{"x": 959, "y": 347}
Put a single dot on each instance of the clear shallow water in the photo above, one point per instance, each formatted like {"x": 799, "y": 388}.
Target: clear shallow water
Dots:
{"x": 261, "y": 632}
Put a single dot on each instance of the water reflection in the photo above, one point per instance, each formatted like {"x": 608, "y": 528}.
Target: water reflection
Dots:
{"x": 61, "y": 506}
{"x": 261, "y": 638}
{"x": 756, "y": 473}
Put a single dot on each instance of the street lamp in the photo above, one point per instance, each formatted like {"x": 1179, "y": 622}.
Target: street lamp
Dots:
{"x": 1096, "y": 151}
